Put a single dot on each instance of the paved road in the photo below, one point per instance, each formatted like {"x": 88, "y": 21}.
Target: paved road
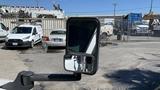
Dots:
{"x": 122, "y": 65}
{"x": 131, "y": 65}
{"x": 52, "y": 62}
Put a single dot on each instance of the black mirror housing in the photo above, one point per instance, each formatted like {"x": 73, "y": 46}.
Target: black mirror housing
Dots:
{"x": 82, "y": 40}
{"x": 34, "y": 33}
{"x": 7, "y": 28}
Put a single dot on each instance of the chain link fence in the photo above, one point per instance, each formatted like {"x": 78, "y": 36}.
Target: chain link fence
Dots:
{"x": 128, "y": 31}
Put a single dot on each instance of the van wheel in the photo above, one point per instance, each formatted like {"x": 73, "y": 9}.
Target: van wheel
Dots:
{"x": 32, "y": 44}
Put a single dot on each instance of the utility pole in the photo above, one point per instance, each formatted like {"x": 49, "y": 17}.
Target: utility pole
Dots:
{"x": 114, "y": 11}
{"x": 151, "y": 7}
{"x": 115, "y": 5}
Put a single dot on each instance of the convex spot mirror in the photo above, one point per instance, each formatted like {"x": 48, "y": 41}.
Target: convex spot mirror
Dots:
{"x": 82, "y": 45}
{"x": 79, "y": 63}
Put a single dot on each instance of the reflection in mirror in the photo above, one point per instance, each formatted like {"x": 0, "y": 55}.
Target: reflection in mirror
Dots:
{"x": 79, "y": 63}
{"x": 82, "y": 36}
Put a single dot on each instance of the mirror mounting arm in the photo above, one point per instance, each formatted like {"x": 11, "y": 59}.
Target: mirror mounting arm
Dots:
{"x": 25, "y": 79}
{"x": 56, "y": 77}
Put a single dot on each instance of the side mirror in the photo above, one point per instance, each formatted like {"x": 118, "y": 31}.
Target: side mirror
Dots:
{"x": 82, "y": 45}
{"x": 34, "y": 33}
{"x": 7, "y": 28}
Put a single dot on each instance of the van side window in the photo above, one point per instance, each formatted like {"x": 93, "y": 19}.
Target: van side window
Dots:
{"x": 3, "y": 26}
{"x": 34, "y": 31}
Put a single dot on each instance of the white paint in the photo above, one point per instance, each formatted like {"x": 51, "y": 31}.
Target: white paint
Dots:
{"x": 156, "y": 22}
{"x": 71, "y": 64}
{"x": 92, "y": 44}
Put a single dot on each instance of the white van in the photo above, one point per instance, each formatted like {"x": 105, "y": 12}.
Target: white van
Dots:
{"x": 3, "y": 31}
{"x": 107, "y": 29}
{"x": 25, "y": 35}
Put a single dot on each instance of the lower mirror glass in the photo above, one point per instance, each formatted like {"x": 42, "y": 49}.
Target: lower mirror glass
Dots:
{"x": 79, "y": 63}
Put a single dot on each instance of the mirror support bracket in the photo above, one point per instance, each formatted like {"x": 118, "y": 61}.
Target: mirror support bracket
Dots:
{"x": 25, "y": 80}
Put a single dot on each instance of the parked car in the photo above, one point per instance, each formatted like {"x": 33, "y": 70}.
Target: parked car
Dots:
{"x": 3, "y": 32}
{"x": 25, "y": 35}
{"x": 57, "y": 38}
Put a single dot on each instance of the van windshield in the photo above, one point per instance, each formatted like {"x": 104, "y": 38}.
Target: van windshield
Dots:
{"x": 22, "y": 30}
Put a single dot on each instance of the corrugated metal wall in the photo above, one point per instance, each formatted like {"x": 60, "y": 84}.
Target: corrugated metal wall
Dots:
{"x": 48, "y": 24}
{"x": 8, "y": 22}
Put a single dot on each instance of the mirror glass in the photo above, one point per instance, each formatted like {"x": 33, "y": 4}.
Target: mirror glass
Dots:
{"x": 82, "y": 38}
{"x": 79, "y": 63}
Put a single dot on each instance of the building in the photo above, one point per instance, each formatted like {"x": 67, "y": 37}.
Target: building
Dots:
{"x": 34, "y": 11}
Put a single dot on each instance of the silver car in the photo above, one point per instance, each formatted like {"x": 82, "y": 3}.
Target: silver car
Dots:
{"x": 57, "y": 38}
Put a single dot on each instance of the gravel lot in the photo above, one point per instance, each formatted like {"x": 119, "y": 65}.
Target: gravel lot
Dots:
{"x": 122, "y": 65}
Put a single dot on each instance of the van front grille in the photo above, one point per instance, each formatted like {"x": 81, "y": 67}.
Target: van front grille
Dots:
{"x": 15, "y": 40}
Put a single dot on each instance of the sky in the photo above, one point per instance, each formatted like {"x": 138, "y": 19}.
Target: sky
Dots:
{"x": 92, "y": 7}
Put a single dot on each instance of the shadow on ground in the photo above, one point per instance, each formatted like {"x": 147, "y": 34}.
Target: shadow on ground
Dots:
{"x": 14, "y": 48}
{"x": 56, "y": 49}
{"x": 139, "y": 79}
